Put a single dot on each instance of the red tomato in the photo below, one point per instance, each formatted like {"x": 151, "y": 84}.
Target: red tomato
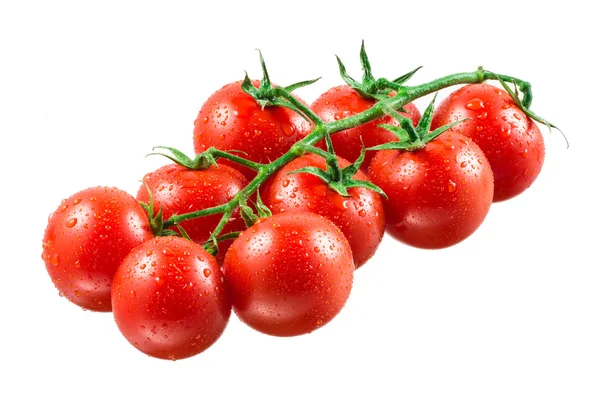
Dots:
{"x": 511, "y": 141}
{"x": 289, "y": 274}
{"x": 87, "y": 238}
{"x": 341, "y": 102}
{"x": 169, "y": 298}
{"x": 359, "y": 216}
{"x": 438, "y": 195}
{"x": 232, "y": 120}
{"x": 180, "y": 190}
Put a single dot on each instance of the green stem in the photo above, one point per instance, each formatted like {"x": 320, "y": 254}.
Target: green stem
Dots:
{"x": 281, "y": 92}
{"x": 236, "y": 159}
{"x": 403, "y": 97}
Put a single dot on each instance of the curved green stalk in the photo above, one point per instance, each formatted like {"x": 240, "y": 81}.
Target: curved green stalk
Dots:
{"x": 405, "y": 94}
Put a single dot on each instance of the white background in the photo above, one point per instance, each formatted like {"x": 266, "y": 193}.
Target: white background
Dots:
{"x": 512, "y": 315}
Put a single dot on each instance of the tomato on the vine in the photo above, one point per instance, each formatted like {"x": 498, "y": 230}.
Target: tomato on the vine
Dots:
{"x": 511, "y": 141}
{"x": 343, "y": 101}
{"x": 437, "y": 195}
{"x": 86, "y": 239}
{"x": 289, "y": 274}
{"x": 169, "y": 298}
{"x": 360, "y": 216}
{"x": 177, "y": 190}
{"x": 231, "y": 120}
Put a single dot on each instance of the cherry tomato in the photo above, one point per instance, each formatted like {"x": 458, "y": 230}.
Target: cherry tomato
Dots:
{"x": 289, "y": 274}
{"x": 86, "y": 239}
{"x": 169, "y": 298}
{"x": 438, "y": 195}
{"x": 341, "y": 102}
{"x": 511, "y": 141}
{"x": 231, "y": 120}
{"x": 180, "y": 190}
{"x": 359, "y": 216}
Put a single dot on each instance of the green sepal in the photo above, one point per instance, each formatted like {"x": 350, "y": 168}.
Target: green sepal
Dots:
{"x": 169, "y": 232}
{"x": 155, "y": 221}
{"x": 404, "y": 78}
{"x": 442, "y": 129}
{"x": 368, "y": 78}
{"x": 393, "y": 146}
{"x": 183, "y": 233}
{"x": 400, "y": 132}
{"x": 405, "y": 123}
{"x": 358, "y": 87}
{"x": 316, "y": 171}
{"x": 295, "y": 86}
{"x": 211, "y": 246}
{"x": 425, "y": 123}
{"x": 200, "y": 162}
{"x": 364, "y": 184}
{"x": 261, "y": 208}
{"x": 524, "y": 105}
{"x": 247, "y": 214}
{"x": 349, "y": 171}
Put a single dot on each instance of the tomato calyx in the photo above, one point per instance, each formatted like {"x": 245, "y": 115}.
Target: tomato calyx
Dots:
{"x": 525, "y": 103}
{"x": 268, "y": 95}
{"x": 337, "y": 178}
{"x": 156, "y": 221}
{"x": 409, "y": 137}
{"x": 371, "y": 88}
{"x": 205, "y": 159}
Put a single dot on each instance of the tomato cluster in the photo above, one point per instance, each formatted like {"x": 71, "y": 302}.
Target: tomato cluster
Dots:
{"x": 211, "y": 234}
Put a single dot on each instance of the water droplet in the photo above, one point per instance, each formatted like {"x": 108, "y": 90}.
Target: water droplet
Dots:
{"x": 463, "y": 164}
{"x": 76, "y": 201}
{"x": 205, "y": 119}
{"x": 451, "y": 186}
{"x": 206, "y": 272}
{"x": 286, "y": 182}
{"x": 71, "y": 222}
{"x": 167, "y": 251}
{"x": 149, "y": 253}
{"x": 54, "y": 260}
{"x": 362, "y": 213}
{"x": 475, "y": 104}
{"x": 317, "y": 249}
{"x": 132, "y": 293}
{"x": 276, "y": 225}
{"x": 287, "y": 129}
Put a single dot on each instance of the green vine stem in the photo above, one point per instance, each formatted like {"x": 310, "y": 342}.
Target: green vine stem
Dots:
{"x": 404, "y": 95}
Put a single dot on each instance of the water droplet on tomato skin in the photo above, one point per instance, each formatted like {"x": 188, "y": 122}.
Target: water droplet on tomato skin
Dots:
{"x": 475, "y": 104}
{"x": 362, "y": 213}
{"x": 54, "y": 259}
{"x": 451, "y": 186}
{"x": 206, "y": 272}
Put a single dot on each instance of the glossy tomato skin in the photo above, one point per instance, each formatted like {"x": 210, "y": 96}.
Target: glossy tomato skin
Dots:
{"x": 169, "y": 298}
{"x": 289, "y": 274}
{"x": 232, "y": 120}
{"x": 86, "y": 239}
{"x": 341, "y": 102}
{"x": 511, "y": 141}
{"x": 438, "y": 195}
{"x": 359, "y": 216}
{"x": 180, "y": 190}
